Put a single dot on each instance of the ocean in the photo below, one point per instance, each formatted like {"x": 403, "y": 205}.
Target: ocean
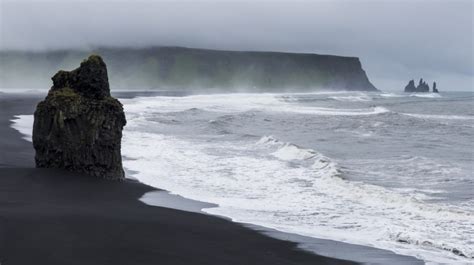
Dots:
{"x": 387, "y": 170}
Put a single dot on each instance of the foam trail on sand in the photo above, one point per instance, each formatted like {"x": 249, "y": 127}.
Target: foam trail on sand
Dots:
{"x": 24, "y": 124}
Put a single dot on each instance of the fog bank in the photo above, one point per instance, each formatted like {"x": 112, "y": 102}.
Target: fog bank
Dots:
{"x": 396, "y": 40}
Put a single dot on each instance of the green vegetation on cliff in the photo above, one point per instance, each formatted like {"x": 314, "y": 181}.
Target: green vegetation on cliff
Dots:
{"x": 169, "y": 68}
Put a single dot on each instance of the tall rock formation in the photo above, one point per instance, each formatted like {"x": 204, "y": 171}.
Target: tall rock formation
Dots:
{"x": 411, "y": 86}
{"x": 435, "y": 90}
{"x": 422, "y": 86}
{"x": 79, "y": 125}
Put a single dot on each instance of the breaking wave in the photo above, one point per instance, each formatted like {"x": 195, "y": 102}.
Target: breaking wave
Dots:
{"x": 425, "y": 95}
{"x": 294, "y": 189}
{"x": 231, "y": 103}
{"x": 440, "y": 117}
{"x": 357, "y": 98}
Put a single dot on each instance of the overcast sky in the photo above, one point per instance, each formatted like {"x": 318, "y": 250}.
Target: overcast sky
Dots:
{"x": 395, "y": 40}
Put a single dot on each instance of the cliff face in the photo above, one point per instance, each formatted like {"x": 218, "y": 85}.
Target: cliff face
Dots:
{"x": 78, "y": 126}
{"x": 194, "y": 69}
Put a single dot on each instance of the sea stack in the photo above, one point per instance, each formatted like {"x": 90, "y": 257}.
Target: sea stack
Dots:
{"x": 435, "y": 90}
{"x": 411, "y": 86}
{"x": 422, "y": 86}
{"x": 78, "y": 126}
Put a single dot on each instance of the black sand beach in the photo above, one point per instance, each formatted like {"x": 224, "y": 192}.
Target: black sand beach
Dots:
{"x": 56, "y": 217}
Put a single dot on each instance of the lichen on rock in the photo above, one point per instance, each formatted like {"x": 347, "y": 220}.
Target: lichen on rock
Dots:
{"x": 79, "y": 125}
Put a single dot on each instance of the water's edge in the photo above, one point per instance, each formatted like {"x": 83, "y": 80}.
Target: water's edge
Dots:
{"x": 324, "y": 247}
{"x": 329, "y": 248}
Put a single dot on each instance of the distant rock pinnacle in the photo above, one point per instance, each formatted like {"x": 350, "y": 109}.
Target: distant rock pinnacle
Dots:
{"x": 422, "y": 86}
{"x": 435, "y": 90}
{"x": 410, "y": 87}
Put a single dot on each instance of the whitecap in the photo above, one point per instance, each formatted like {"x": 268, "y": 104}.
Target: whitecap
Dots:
{"x": 441, "y": 117}
{"x": 292, "y": 152}
{"x": 231, "y": 103}
{"x": 426, "y": 95}
{"x": 392, "y": 95}
{"x": 359, "y": 98}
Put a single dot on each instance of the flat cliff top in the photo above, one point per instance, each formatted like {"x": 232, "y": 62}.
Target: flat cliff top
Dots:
{"x": 178, "y": 68}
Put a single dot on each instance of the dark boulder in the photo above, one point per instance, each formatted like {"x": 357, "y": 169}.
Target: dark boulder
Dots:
{"x": 78, "y": 126}
{"x": 410, "y": 87}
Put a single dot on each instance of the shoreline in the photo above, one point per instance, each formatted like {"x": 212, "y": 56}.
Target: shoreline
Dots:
{"x": 59, "y": 217}
{"x": 327, "y": 248}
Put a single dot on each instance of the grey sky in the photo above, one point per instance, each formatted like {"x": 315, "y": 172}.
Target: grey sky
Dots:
{"x": 396, "y": 40}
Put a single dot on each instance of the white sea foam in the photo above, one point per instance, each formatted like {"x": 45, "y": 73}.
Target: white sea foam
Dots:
{"x": 426, "y": 95}
{"x": 24, "y": 124}
{"x": 292, "y": 152}
{"x": 311, "y": 201}
{"x": 335, "y": 112}
{"x": 392, "y": 95}
{"x": 441, "y": 117}
{"x": 418, "y": 95}
{"x": 352, "y": 98}
{"x": 287, "y": 151}
{"x": 230, "y": 103}
{"x": 294, "y": 189}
